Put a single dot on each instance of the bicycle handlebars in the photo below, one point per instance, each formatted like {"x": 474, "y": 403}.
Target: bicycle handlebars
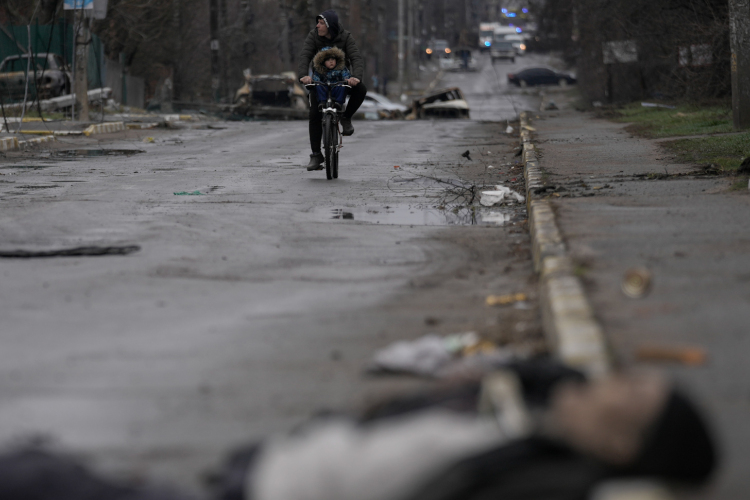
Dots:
{"x": 329, "y": 85}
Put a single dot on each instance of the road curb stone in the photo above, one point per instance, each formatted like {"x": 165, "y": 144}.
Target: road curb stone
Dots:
{"x": 36, "y": 141}
{"x": 567, "y": 316}
{"x": 105, "y": 128}
{"x": 8, "y": 143}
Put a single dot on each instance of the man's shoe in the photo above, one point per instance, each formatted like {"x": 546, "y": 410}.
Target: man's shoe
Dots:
{"x": 346, "y": 124}
{"x": 316, "y": 162}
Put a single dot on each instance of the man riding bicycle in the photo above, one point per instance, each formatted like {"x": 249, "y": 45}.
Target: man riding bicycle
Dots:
{"x": 329, "y": 33}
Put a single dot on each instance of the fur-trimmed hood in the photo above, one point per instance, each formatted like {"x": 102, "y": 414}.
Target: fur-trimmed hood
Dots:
{"x": 327, "y": 53}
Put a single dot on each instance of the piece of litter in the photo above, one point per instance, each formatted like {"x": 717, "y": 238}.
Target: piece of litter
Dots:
{"x": 396, "y": 166}
{"x": 655, "y": 105}
{"x": 496, "y": 218}
{"x": 529, "y": 127}
{"x": 509, "y": 129}
{"x": 188, "y": 193}
{"x": 636, "y": 282}
{"x": 503, "y": 300}
{"x": 502, "y": 193}
{"x": 435, "y": 356}
{"x": 149, "y": 139}
{"x": 691, "y": 356}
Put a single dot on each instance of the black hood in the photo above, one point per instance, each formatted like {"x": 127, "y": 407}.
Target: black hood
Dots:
{"x": 332, "y": 21}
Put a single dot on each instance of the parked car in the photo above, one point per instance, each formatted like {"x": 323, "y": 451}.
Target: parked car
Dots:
{"x": 379, "y": 105}
{"x": 540, "y": 76}
{"x": 503, "y": 49}
{"x": 52, "y": 77}
{"x": 445, "y": 103}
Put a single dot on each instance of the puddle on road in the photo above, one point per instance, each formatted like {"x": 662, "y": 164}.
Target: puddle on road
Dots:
{"x": 90, "y": 153}
{"x": 411, "y": 216}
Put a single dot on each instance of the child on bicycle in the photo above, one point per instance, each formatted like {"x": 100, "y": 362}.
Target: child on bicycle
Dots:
{"x": 329, "y": 66}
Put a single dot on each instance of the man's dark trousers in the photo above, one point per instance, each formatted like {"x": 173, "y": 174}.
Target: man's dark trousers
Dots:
{"x": 356, "y": 97}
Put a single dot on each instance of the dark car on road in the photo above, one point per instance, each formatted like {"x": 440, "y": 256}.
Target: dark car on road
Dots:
{"x": 540, "y": 76}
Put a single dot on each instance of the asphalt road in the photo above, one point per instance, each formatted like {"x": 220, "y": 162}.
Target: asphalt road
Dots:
{"x": 248, "y": 307}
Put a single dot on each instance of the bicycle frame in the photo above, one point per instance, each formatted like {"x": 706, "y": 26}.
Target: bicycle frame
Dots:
{"x": 330, "y": 111}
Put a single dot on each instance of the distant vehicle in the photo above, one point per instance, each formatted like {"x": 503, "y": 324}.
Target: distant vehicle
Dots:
{"x": 503, "y": 50}
{"x": 51, "y": 76}
{"x": 445, "y": 103}
{"x": 438, "y": 48}
{"x": 502, "y": 31}
{"x": 519, "y": 42}
{"x": 382, "y": 106}
{"x": 487, "y": 35}
{"x": 540, "y": 76}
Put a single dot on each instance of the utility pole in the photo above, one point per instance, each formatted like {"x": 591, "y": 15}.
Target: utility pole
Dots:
{"x": 215, "y": 64}
{"x": 410, "y": 45}
{"x": 81, "y": 65}
{"x": 400, "y": 47}
{"x": 739, "y": 34}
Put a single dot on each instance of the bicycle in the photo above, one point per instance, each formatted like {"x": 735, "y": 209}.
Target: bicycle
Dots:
{"x": 332, "y": 112}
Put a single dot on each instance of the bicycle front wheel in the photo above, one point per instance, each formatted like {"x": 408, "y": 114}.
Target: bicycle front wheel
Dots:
{"x": 329, "y": 145}
{"x": 335, "y": 151}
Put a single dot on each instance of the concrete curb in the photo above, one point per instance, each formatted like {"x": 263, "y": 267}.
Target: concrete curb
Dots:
{"x": 105, "y": 128}
{"x": 567, "y": 317}
{"x": 36, "y": 142}
{"x": 8, "y": 144}
{"x": 13, "y": 144}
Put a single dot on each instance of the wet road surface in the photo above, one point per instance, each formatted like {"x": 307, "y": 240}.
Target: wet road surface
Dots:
{"x": 253, "y": 304}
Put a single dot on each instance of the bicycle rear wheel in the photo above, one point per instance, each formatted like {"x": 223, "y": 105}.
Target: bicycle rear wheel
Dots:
{"x": 329, "y": 145}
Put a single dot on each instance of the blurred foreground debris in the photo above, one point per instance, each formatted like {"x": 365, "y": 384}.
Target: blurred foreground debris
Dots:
{"x": 533, "y": 429}
{"x": 691, "y": 356}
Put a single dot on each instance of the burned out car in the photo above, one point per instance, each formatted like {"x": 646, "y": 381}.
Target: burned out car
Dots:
{"x": 445, "y": 103}
{"x": 261, "y": 92}
{"x": 52, "y": 76}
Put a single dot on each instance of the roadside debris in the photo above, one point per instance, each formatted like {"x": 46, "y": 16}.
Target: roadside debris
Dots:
{"x": 636, "y": 283}
{"x": 690, "y": 356}
{"x": 501, "y": 194}
{"x": 89, "y": 251}
{"x": 509, "y": 130}
{"x": 502, "y": 300}
{"x": 446, "y": 103}
{"x": 188, "y": 193}
{"x": 466, "y": 154}
{"x": 435, "y": 356}
{"x": 744, "y": 167}
{"x": 655, "y": 105}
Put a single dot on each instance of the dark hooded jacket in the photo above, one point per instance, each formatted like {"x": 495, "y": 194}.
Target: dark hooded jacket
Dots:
{"x": 340, "y": 38}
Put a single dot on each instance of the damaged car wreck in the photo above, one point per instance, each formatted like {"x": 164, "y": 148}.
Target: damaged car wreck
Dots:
{"x": 271, "y": 96}
{"x": 445, "y": 103}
